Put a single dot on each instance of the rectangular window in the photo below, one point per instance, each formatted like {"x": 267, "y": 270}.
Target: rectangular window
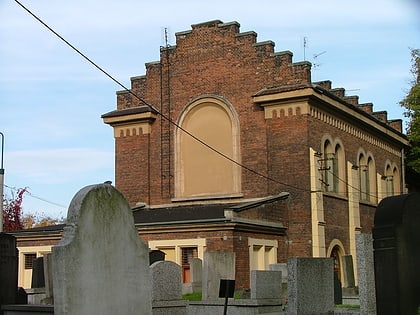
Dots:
{"x": 262, "y": 253}
{"x": 29, "y": 260}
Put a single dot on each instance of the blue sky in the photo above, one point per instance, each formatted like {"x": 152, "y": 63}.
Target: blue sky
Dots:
{"x": 51, "y": 99}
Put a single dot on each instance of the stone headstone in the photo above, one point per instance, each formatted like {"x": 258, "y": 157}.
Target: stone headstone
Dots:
{"x": 266, "y": 284}
{"x": 310, "y": 286}
{"x": 100, "y": 265}
{"x": 396, "y": 239}
{"x": 366, "y": 272}
{"x": 338, "y": 292}
{"x": 196, "y": 274}
{"x": 283, "y": 268}
{"x": 348, "y": 271}
{"x": 216, "y": 266}
{"x": 166, "y": 279}
{"x": 38, "y": 279}
{"x": 166, "y": 289}
{"x": 8, "y": 269}
{"x": 48, "y": 275}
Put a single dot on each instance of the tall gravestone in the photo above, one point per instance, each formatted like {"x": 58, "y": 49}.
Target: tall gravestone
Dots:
{"x": 100, "y": 266}
{"x": 310, "y": 286}
{"x": 196, "y": 268}
{"x": 216, "y": 266}
{"x": 366, "y": 272}
{"x": 396, "y": 239}
{"x": 8, "y": 269}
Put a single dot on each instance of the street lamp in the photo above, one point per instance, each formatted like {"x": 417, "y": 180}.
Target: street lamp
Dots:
{"x": 1, "y": 182}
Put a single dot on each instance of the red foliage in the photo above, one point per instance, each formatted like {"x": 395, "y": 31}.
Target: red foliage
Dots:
{"x": 12, "y": 213}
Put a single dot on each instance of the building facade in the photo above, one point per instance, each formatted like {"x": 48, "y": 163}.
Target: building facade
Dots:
{"x": 226, "y": 145}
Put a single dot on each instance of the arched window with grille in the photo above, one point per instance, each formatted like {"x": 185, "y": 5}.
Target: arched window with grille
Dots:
{"x": 367, "y": 176}
{"x": 333, "y": 166}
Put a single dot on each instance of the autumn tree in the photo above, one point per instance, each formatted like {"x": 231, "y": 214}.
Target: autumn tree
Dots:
{"x": 411, "y": 103}
{"x": 12, "y": 212}
{"x": 33, "y": 220}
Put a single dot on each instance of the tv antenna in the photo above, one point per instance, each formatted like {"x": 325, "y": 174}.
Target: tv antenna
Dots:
{"x": 305, "y": 43}
{"x": 315, "y": 57}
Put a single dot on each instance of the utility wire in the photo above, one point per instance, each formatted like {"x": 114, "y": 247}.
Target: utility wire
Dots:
{"x": 36, "y": 197}
{"x": 153, "y": 108}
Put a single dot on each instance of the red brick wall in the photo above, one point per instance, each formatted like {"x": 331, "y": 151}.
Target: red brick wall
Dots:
{"x": 207, "y": 60}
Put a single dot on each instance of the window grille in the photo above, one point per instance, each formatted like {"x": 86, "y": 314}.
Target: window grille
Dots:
{"x": 29, "y": 260}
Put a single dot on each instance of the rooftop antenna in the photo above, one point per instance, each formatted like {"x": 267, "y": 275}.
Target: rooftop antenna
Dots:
{"x": 315, "y": 64}
{"x": 304, "y": 47}
{"x": 165, "y": 37}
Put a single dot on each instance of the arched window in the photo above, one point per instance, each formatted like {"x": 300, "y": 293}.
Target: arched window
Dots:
{"x": 389, "y": 181}
{"x": 199, "y": 171}
{"x": 333, "y": 166}
{"x": 396, "y": 180}
{"x": 364, "y": 177}
{"x": 329, "y": 165}
{"x": 392, "y": 180}
{"x": 367, "y": 175}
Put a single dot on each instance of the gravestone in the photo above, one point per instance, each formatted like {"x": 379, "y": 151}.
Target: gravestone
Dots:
{"x": 166, "y": 289}
{"x": 396, "y": 239}
{"x": 48, "y": 275}
{"x": 310, "y": 286}
{"x": 38, "y": 279}
{"x": 338, "y": 290}
{"x": 100, "y": 266}
{"x": 216, "y": 266}
{"x": 348, "y": 271}
{"x": 156, "y": 255}
{"x": 283, "y": 268}
{"x": 196, "y": 274}
{"x": 266, "y": 284}
{"x": 366, "y": 272}
{"x": 8, "y": 269}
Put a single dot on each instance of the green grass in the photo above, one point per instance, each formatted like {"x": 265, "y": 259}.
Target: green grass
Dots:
{"x": 346, "y": 306}
{"x": 192, "y": 296}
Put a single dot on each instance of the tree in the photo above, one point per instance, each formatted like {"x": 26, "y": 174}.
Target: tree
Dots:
{"x": 12, "y": 212}
{"x": 412, "y": 105}
{"x": 32, "y": 220}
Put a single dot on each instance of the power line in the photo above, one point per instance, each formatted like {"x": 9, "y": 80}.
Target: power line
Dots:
{"x": 39, "y": 198}
{"x": 154, "y": 108}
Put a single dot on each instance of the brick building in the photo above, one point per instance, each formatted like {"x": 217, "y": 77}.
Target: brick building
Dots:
{"x": 226, "y": 145}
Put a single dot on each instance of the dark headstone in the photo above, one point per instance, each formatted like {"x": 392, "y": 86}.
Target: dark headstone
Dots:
{"x": 338, "y": 293}
{"x": 396, "y": 242}
{"x": 22, "y": 296}
{"x": 156, "y": 255}
{"x": 8, "y": 269}
{"x": 38, "y": 278}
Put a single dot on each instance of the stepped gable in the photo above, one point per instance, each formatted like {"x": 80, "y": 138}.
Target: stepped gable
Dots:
{"x": 381, "y": 116}
{"x": 225, "y": 47}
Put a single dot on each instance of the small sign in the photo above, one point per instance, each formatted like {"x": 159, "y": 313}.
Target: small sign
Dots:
{"x": 227, "y": 288}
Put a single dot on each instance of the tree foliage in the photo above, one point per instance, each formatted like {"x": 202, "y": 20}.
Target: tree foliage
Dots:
{"x": 32, "y": 220}
{"x": 411, "y": 103}
{"x": 12, "y": 212}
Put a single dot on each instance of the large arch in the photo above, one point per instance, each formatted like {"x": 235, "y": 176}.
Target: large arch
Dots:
{"x": 200, "y": 172}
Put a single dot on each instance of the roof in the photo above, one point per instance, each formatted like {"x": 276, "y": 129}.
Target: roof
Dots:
{"x": 199, "y": 213}
{"x": 128, "y": 111}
